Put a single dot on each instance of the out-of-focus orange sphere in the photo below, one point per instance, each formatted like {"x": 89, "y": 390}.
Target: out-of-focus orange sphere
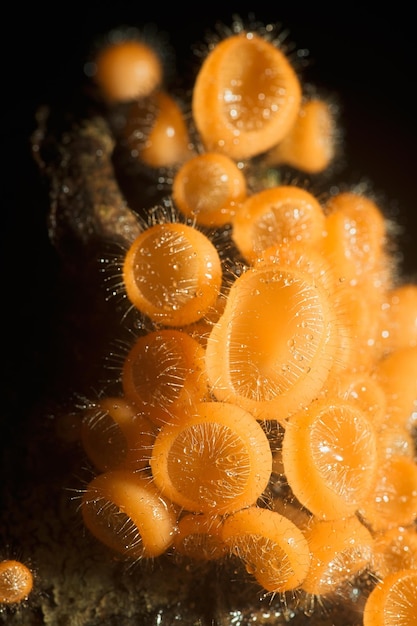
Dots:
{"x": 127, "y": 70}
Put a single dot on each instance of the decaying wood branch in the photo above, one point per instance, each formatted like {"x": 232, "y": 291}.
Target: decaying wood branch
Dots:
{"x": 86, "y": 201}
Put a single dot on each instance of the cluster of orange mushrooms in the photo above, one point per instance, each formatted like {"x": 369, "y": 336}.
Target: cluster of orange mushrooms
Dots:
{"x": 267, "y": 410}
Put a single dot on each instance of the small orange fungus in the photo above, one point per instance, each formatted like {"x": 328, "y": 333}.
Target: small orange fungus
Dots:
{"x": 199, "y": 537}
{"x": 393, "y": 501}
{"x": 336, "y": 471}
{"x": 340, "y": 549}
{"x": 394, "y": 549}
{"x": 397, "y": 374}
{"x": 399, "y": 318}
{"x": 395, "y": 439}
{"x": 126, "y": 70}
{"x": 172, "y": 273}
{"x": 393, "y": 602}
{"x": 115, "y": 435}
{"x": 216, "y": 461}
{"x": 280, "y": 215}
{"x": 164, "y": 373}
{"x": 272, "y": 548}
{"x": 363, "y": 391}
{"x": 156, "y": 132}
{"x": 210, "y": 188}
{"x": 201, "y": 329}
{"x": 360, "y": 317}
{"x": 246, "y": 96}
{"x": 310, "y": 144}
{"x": 272, "y": 349}
{"x": 356, "y": 235}
{"x": 16, "y": 581}
{"x": 126, "y": 512}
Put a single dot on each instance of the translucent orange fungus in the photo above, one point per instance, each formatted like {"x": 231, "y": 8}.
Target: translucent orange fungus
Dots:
{"x": 246, "y": 96}
{"x": 172, "y": 273}
{"x": 363, "y": 391}
{"x": 127, "y": 70}
{"x": 393, "y": 602}
{"x": 156, "y": 132}
{"x": 199, "y": 537}
{"x": 127, "y": 513}
{"x": 336, "y": 471}
{"x": 271, "y": 350}
{"x": 356, "y": 235}
{"x": 164, "y": 373}
{"x": 393, "y": 501}
{"x": 397, "y": 374}
{"x": 16, "y": 581}
{"x": 201, "y": 329}
{"x": 395, "y": 439}
{"x": 273, "y": 549}
{"x": 114, "y": 435}
{"x": 216, "y": 461}
{"x": 399, "y": 318}
{"x": 394, "y": 549}
{"x": 360, "y": 318}
{"x": 310, "y": 144}
{"x": 210, "y": 188}
{"x": 340, "y": 549}
{"x": 295, "y": 254}
{"x": 280, "y": 215}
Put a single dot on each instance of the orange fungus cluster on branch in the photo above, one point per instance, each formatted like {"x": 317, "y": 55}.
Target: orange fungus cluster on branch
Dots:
{"x": 287, "y": 357}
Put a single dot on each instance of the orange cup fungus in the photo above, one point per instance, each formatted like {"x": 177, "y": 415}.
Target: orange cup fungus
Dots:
{"x": 156, "y": 132}
{"x": 209, "y": 188}
{"x": 395, "y": 439}
{"x": 16, "y": 582}
{"x": 336, "y": 472}
{"x": 199, "y": 537}
{"x": 310, "y": 144}
{"x": 268, "y": 416}
{"x": 172, "y": 273}
{"x": 271, "y": 350}
{"x": 115, "y": 435}
{"x": 272, "y": 547}
{"x": 393, "y": 602}
{"x": 126, "y": 512}
{"x": 246, "y": 96}
{"x": 362, "y": 390}
{"x": 216, "y": 460}
{"x": 339, "y": 550}
{"x": 394, "y": 549}
{"x": 126, "y": 70}
{"x": 397, "y": 374}
{"x": 399, "y": 317}
{"x": 275, "y": 216}
{"x": 355, "y": 236}
{"x": 393, "y": 501}
{"x": 164, "y": 373}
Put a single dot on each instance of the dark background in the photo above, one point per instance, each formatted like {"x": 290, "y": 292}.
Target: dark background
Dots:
{"x": 366, "y": 57}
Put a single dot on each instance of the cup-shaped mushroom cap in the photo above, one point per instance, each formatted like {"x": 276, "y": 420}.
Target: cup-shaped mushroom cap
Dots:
{"x": 246, "y": 96}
